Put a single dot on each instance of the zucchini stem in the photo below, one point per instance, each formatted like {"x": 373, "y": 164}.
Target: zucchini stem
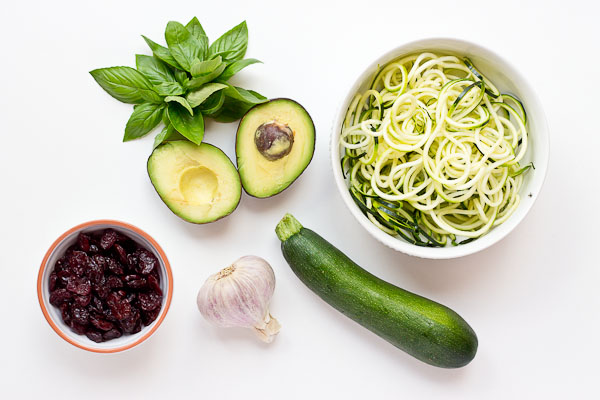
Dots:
{"x": 287, "y": 227}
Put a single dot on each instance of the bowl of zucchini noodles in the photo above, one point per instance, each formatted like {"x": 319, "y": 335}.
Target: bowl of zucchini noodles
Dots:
{"x": 440, "y": 148}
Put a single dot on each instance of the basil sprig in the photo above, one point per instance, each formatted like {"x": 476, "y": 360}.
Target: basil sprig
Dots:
{"x": 183, "y": 83}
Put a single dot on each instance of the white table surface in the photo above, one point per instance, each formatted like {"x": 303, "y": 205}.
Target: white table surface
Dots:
{"x": 532, "y": 298}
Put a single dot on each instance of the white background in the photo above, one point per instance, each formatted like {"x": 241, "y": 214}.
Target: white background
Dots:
{"x": 532, "y": 298}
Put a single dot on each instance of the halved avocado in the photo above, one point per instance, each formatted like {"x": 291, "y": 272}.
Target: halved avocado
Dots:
{"x": 198, "y": 183}
{"x": 275, "y": 143}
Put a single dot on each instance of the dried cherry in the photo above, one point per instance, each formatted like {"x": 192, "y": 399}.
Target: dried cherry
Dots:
{"x": 83, "y": 301}
{"x": 112, "y": 334}
{"x": 154, "y": 284}
{"x": 100, "y": 260}
{"x": 135, "y": 281}
{"x": 101, "y": 324}
{"x": 81, "y": 287}
{"x": 78, "y": 261}
{"x": 113, "y": 282}
{"x": 80, "y": 315}
{"x": 96, "y": 305}
{"x": 108, "y": 239}
{"x": 129, "y": 324}
{"x": 94, "y": 336}
{"x": 84, "y": 242}
{"x": 102, "y": 291}
{"x": 149, "y": 316}
{"x": 119, "y": 307}
{"x": 109, "y": 315}
{"x": 121, "y": 254}
{"x": 132, "y": 261}
{"x": 77, "y": 328}
{"x": 137, "y": 327}
{"x": 114, "y": 266}
{"x": 146, "y": 262}
{"x": 65, "y": 313}
{"x": 149, "y": 301}
{"x": 95, "y": 272}
{"x": 59, "y": 296}
{"x": 132, "y": 298}
{"x": 53, "y": 279}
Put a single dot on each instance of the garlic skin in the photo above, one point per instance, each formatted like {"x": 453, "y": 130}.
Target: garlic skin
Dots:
{"x": 239, "y": 295}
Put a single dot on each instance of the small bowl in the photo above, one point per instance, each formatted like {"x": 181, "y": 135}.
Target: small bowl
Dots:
{"x": 507, "y": 79}
{"x": 52, "y": 313}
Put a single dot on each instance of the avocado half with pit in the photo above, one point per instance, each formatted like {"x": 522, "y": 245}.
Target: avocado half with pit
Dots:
{"x": 275, "y": 143}
{"x": 198, "y": 183}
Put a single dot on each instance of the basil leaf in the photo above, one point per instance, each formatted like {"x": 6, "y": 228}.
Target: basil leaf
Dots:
{"x": 165, "y": 117}
{"x": 243, "y": 95}
{"x": 181, "y": 77}
{"x": 192, "y": 127}
{"x": 184, "y": 47}
{"x": 195, "y": 83}
{"x": 231, "y": 110}
{"x": 162, "y": 53}
{"x": 198, "y": 32}
{"x": 125, "y": 84}
{"x": 213, "y": 103}
{"x": 181, "y": 101}
{"x": 144, "y": 118}
{"x": 236, "y": 67}
{"x": 169, "y": 89}
{"x": 158, "y": 139}
{"x": 232, "y": 44}
{"x": 155, "y": 70}
{"x": 197, "y": 97}
{"x": 166, "y": 135}
{"x": 195, "y": 28}
{"x": 200, "y": 68}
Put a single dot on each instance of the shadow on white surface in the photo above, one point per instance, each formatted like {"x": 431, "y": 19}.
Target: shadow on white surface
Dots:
{"x": 231, "y": 335}
{"x": 213, "y": 230}
{"x": 107, "y": 367}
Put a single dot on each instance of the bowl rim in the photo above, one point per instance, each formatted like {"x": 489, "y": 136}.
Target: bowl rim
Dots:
{"x": 44, "y": 265}
{"x": 542, "y": 137}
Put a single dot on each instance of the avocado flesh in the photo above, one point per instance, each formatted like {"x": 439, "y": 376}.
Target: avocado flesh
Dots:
{"x": 262, "y": 177}
{"x": 198, "y": 183}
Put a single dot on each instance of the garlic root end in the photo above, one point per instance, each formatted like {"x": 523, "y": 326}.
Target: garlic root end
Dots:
{"x": 269, "y": 329}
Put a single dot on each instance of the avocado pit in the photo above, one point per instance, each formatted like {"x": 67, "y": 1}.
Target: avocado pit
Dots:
{"x": 274, "y": 140}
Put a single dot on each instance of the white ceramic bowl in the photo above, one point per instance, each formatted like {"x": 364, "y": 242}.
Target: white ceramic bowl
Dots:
{"x": 508, "y": 80}
{"x": 52, "y": 313}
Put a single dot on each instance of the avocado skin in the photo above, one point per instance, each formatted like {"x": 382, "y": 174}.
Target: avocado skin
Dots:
{"x": 428, "y": 331}
{"x": 175, "y": 210}
{"x": 303, "y": 169}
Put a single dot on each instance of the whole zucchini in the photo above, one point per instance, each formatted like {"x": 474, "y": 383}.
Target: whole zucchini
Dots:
{"x": 427, "y": 330}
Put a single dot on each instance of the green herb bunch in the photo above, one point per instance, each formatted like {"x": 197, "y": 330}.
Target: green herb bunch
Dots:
{"x": 183, "y": 83}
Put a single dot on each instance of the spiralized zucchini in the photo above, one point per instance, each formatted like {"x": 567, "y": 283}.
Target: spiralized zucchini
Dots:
{"x": 432, "y": 150}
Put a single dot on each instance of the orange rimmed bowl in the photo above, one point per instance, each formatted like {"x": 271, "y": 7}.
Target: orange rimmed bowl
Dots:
{"x": 52, "y": 314}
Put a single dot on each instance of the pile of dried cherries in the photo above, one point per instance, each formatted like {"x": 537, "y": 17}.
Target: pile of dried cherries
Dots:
{"x": 106, "y": 286}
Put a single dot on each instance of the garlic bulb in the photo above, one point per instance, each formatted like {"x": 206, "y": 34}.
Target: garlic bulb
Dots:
{"x": 239, "y": 295}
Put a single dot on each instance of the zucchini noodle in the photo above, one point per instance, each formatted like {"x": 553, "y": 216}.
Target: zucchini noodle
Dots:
{"x": 432, "y": 150}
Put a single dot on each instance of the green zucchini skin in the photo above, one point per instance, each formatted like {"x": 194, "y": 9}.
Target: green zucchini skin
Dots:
{"x": 427, "y": 330}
